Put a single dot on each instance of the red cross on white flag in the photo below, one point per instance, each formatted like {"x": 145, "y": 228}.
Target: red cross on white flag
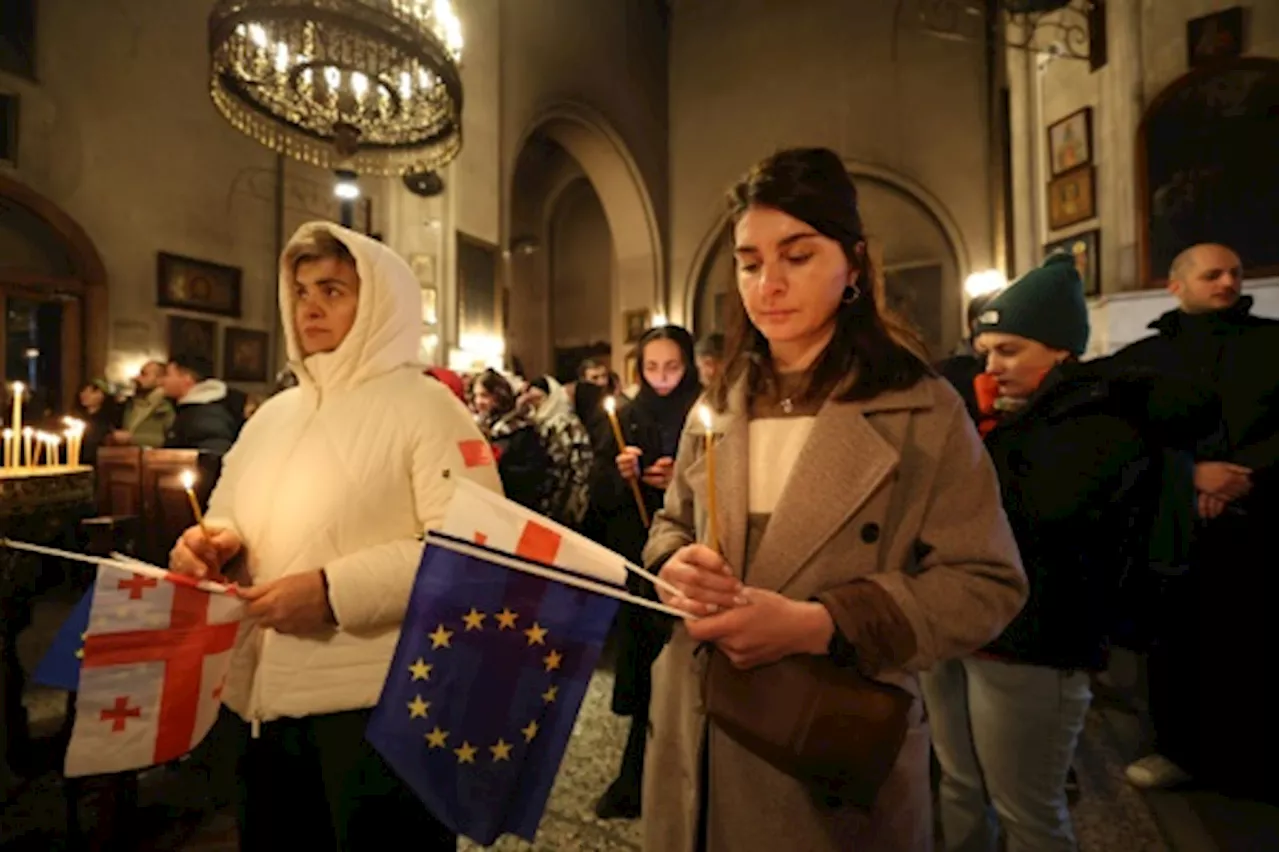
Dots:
{"x": 478, "y": 515}
{"x": 155, "y": 657}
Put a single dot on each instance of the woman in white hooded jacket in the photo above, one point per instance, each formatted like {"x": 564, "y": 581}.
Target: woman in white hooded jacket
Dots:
{"x": 317, "y": 514}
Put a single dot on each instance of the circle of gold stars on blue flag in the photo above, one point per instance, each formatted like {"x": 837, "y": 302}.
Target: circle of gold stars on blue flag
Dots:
{"x": 535, "y": 639}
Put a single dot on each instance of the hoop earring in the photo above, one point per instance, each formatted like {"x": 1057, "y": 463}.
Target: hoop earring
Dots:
{"x": 851, "y": 295}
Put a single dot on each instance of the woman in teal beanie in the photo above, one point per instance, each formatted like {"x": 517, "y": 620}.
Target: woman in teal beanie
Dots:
{"x": 1076, "y": 447}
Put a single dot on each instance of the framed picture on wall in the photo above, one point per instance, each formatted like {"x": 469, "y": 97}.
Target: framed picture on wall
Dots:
{"x": 197, "y": 285}
{"x": 636, "y": 324}
{"x": 245, "y": 354}
{"x": 478, "y": 305}
{"x": 1071, "y": 198}
{"x": 1215, "y": 37}
{"x": 1071, "y": 141}
{"x": 1083, "y": 247}
{"x": 193, "y": 337}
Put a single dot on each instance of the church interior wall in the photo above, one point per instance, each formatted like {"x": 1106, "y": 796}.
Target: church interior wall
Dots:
{"x": 866, "y": 83}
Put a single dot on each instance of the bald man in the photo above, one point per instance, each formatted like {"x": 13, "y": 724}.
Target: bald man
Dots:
{"x": 1212, "y": 669}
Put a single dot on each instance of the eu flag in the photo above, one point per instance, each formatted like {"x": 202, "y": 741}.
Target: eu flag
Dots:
{"x": 60, "y": 666}
{"x": 487, "y": 680}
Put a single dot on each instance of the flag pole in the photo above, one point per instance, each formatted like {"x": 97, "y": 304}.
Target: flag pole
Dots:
{"x": 653, "y": 578}
{"x": 131, "y": 565}
{"x": 556, "y": 576}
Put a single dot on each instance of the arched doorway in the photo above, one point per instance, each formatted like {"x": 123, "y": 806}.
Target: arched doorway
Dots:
{"x": 572, "y": 168}
{"x": 911, "y": 238}
{"x": 54, "y": 297}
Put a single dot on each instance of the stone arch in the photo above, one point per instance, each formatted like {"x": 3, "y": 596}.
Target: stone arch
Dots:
{"x": 917, "y": 196}
{"x": 599, "y": 150}
{"x": 87, "y": 268}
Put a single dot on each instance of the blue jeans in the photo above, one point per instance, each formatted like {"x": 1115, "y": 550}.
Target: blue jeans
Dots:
{"x": 1005, "y": 735}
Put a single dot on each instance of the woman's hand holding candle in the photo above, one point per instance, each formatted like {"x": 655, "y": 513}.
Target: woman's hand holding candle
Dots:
{"x": 628, "y": 462}
{"x": 658, "y": 475}
{"x": 705, "y": 581}
{"x": 203, "y": 556}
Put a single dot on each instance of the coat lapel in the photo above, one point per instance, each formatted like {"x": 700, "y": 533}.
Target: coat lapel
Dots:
{"x": 841, "y": 466}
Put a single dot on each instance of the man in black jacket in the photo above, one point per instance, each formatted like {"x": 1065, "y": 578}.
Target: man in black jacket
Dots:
{"x": 1213, "y": 665}
{"x": 966, "y": 365}
{"x": 204, "y": 420}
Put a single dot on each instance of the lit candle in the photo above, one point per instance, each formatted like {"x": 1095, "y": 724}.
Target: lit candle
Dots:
{"x": 28, "y": 446}
{"x": 8, "y": 448}
{"x": 75, "y": 440}
{"x": 611, "y": 408}
{"x": 188, "y": 485}
{"x": 18, "y": 388}
{"x": 713, "y": 536}
{"x": 42, "y": 441}
{"x": 55, "y": 451}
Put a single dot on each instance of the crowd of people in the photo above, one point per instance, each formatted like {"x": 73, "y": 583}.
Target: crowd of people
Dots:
{"x": 905, "y": 559}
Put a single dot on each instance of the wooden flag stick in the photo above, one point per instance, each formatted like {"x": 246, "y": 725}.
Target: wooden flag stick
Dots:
{"x": 131, "y": 565}
{"x": 556, "y": 576}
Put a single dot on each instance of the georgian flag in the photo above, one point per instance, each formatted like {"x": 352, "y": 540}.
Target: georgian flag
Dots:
{"x": 156, "y": 655}
{"x": 478, "y": 515}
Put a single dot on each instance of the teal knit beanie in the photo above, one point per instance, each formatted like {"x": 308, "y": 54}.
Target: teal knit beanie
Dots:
{"x": 1046, "y": 305}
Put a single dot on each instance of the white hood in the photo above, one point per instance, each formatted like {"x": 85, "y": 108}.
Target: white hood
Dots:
{"x": 387, "y": 327}
{"x": 557, "y": 403}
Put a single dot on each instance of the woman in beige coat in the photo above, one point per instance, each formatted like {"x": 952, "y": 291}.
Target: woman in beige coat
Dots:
{"x": 858, "y": 519}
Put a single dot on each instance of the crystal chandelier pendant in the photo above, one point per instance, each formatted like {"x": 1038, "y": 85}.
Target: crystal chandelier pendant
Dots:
{"x": 366, "y": 85}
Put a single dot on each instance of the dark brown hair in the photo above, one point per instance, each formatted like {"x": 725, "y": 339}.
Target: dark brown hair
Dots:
{"x": 872, "y": 350}
{"x": 496, "y": 385}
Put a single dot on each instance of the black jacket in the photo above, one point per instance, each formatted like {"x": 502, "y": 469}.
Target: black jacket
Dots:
{"x": 1233, "y": 353}
{"x": 206, "y": 426}
{"x": 1080, "y": 471}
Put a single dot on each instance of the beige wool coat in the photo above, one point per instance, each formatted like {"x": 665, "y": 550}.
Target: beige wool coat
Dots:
{"x": 897, "y": 491}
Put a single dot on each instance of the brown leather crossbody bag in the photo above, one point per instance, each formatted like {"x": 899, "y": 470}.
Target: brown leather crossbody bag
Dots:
{"x": 821, "y": 723}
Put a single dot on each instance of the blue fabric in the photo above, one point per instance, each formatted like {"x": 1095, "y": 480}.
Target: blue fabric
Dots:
{"x": 489, "y": 687}
{"x": 60, "y": 667}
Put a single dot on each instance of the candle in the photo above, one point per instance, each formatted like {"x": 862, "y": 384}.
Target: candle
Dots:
{"x": 42, "y": 441}
{"x": 713, "y": 535}
{"x": 28, "y": 448}
{"x": 18, "y": 388}
{"x": 611, "y": 408}
{"x": 75, "y": 438}
{"x": 8, "y": 448}
{"x": 188, "y": 485}
{"x": 55, "y": 451}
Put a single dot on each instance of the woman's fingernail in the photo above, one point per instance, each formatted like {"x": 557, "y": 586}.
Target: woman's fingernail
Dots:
{"x": 741, "y": 600}
{"x": 712, "y": 608}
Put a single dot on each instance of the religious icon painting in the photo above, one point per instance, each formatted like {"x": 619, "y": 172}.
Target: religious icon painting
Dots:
{"x": 197, "y": 285}
{"x": 1071, "y": 198}
{"x": 1083, "y": 248}
{"x": 244, "y": 354}
{"x": 193, "y": 337}
{"x": 1071, "y": 141}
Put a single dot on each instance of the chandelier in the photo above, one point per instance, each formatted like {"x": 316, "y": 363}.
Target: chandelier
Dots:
{"x": 366, "y": 85}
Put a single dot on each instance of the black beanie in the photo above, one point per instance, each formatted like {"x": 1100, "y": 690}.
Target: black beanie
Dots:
{"x": 1046, "y": 305}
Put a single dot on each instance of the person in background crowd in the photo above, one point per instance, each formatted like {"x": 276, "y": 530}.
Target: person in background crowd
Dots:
{"x": 651, "y": 425}
{"x": 522, "y": 457}
{"x": 1076, "y": 447}
{"x": 594, "y": 371}
{"x": 567, "y": 486}
{"x": 962, "y": 368}
{"x": 148, "y": 414}
{"x": 317, "y": 516}
{"x": 1206, "y": 636}
{"x": 203, "y": 421}
{"x": 101, "y": 415}
{"x": 860, "y": 536}
{"x": 710, "y": 357}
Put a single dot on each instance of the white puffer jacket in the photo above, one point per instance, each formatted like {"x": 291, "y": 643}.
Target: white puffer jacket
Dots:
{"x": 344, "y": 472}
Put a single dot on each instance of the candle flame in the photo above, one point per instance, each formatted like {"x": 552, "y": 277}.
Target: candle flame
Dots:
{"x": 188, "y": 480}
{"x": 18, "y": 388}
{"x": 704, "y": 413}
{"x": 27, "y": 431}
{"x": 610, "y": 405}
